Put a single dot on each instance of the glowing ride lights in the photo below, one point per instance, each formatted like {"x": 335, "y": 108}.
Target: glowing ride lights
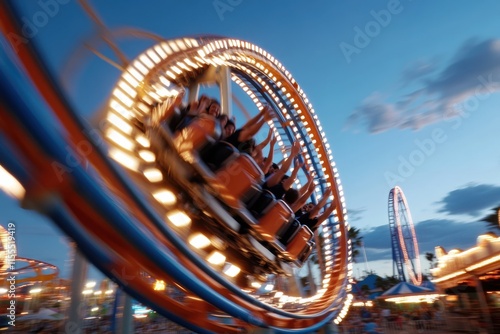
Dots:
{"x": 10, "y": 185}
{"x": 403, "y": 237}
{"x": 457, "y": 265}
{"x": 132, "y": 150}
{"x": 429, "y": 298}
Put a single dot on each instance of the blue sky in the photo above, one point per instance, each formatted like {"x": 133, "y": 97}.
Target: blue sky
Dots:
{"x": 407, "y": 92}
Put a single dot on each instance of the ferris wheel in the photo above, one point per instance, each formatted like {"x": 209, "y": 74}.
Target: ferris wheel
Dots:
{"x": 405, "y": 253}
{"x": 165, "y": 217}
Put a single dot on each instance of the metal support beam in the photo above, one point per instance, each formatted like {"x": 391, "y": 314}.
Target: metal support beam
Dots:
{"x": 310, "y": 278}
{"x": 123, "y": 317}
{"x": 76, "y": 308}
{"x": 224, "y": 81}
{"x": 296, "y": 287}
{"x": 194, "y": 91}
{"x": 485, "y": 311}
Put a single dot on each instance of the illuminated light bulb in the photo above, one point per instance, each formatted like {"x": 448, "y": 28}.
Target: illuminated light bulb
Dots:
{"x": 130, "y": 79}
{"x": 216, "y": 258}
{"x": 153, "y": 174}
{"x": 136, "y": 74}
{"x": 143, "y": 141}
{"x": 146, "y": 61}
{"x": 140, "y": 66}
{"x": 165, "y": 196}
{"x": 179, "y": 218}
{"x": 166, "y": 48}
{"x": 120, "y": 95}
{"x": 120, "y": 109}
{"x": 256, "y": 285}
{"x": 199, "y": 241}
{"x": 182, "y": 65}
{"x": 124, "y": 159}
{"x": 165, "y": 81}
{"x": 10, "y": 185}
{"x": 120, "y": 139}
{"x": 160, "y": 52}
{"x": 170, "y": 74}
{"x": 119, "y": 123}
{"x": 147, "y": 156}
{"x": 153, "y": 55}
{"x": 231, "y": 270}
{"x": 159, "y": 285}
{"x": 143, "y": 107}
{"x": 190, "y": 63}
{"x": 174, "y": 46}
{"x": 129, "y": 90}
{"x": 176, "y": 69}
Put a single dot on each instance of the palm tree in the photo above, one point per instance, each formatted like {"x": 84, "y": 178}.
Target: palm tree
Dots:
{"x": 386, "y": 283}
{"x": 493, "y": 219}
{"x": 356, "y": 241}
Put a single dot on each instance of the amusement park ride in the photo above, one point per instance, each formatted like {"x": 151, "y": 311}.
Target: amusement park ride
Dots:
{"x": 405, "y": 254}
{"x": 143, "y": 205}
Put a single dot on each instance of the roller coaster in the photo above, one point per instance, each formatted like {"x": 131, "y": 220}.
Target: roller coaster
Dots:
{"x": 145, "y": 203}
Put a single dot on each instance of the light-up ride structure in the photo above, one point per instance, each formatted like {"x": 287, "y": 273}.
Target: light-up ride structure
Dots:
{"x": 405, "y": 254}
{"x": 163, "y": 217}
{"x": 17, "y": 272}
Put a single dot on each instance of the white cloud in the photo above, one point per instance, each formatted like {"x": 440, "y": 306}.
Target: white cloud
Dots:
{"x": 473, "y": 200}
{"x": 471, "y": 76}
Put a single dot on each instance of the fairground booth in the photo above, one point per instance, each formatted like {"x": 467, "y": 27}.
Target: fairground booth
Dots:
{"x": 471, "y": 281}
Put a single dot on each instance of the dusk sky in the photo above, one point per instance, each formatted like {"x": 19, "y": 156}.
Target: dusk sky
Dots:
{"x": 407, "y": 92}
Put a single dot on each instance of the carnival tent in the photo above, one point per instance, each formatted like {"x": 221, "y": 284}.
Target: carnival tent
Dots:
{"x": 370, "y": 282}
{"x": 428, "y": 285}
{"x": 408, "y": 293}
{"x": 405, "y": 288}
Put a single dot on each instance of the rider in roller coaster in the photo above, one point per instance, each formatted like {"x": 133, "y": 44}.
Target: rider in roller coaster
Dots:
{"x": 276, "y": 179}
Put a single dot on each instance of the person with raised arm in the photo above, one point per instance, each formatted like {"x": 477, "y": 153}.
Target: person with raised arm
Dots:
{"x": 192, "y": 110}
{"x": 278, "y": 182}
{"x": 296, "y": 199}
{"x": 265, "y": 163}
{"x": 242, "y": 138}
{"x": 311, "y": 216}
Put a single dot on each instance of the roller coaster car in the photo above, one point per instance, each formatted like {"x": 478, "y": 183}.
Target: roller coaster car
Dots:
{"x": 299, "y": 245}
{"x": 260, "y": 204}
{"x": 277, "y": 218}
{"x": 306, "y": 253}
{"x": 200, "y": 132}
{"x": 215, "y": 156}
{"x": 236, "y": 180}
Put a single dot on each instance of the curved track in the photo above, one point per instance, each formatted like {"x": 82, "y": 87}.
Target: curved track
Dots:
{"x": 114, "y": 216}
{"x": 404, "y": 239}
